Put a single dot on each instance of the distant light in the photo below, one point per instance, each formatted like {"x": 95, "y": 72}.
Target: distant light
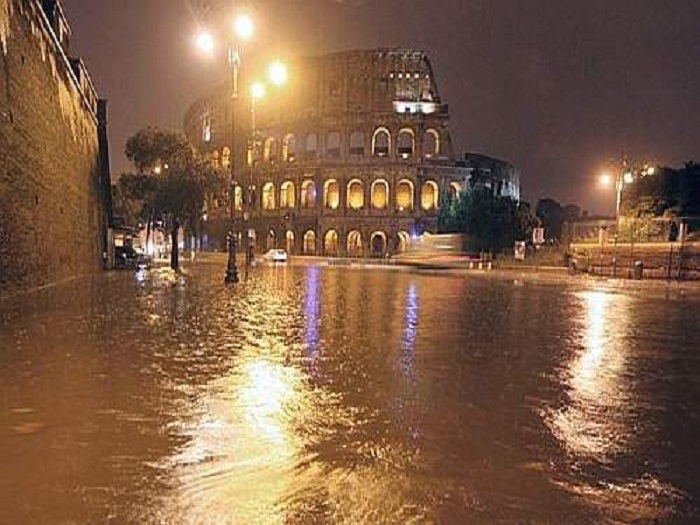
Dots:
{"x": 606, "y": 179}
{"x": 278, "y": 73}
{"x": 651, "y": 170}
{"x": 257, "y": 90}
{"x": 157, "y": 170}
{"x": 244, "y": 26}
{"x": 205, "y": 42}
{"x": 629, "y": 178}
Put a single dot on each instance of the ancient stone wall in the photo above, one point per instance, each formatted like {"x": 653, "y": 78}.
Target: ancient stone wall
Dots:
{"x": 52, "y": 216}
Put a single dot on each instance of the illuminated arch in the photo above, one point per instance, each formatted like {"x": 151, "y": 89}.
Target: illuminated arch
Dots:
{"x": 309, "y": 246}
{"x": 289, "y": 241}
{"x": 404, "y": 242}
{"x": 431, "y": 144}
{"x": 454, "y": 190}
{"x": 330, "y": 243}
{"x": 406, "y": 143}
{"x": 404, "y": 195}
{"x": 287, "y": 195}
{"x": 354, "y": 244}
{"x": 271, "y": 241}
{"x": 270, "y": 149}
{"x": 430, "y": 195}
{"x": 308, "y": 194}
{"x": 289, "y": 148}
{"x": 268, "y": 197}
{"x": 225, "y": 158}
{"x": 356, "y": 194}
{"x": 381, "y": 142}
{"x": 331, "y": 194}
{"x": 378, "y": 244}
{"x": 215, "y": 159}
{"x": 238, "y": 198}
{"x": 380, "y": 194}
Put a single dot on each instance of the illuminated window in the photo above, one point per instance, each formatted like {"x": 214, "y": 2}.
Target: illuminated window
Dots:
{"x": 215, "y": 159}
{"x": 238, "y": 198}
{"x": 381, "y": 142}
{"x": 380, "y": 194}
{"x": 226, "y": 158}
{"x": 405, "y": 143}
{"x": 268, "y": 196}
{"x": 287, "y": 197}
{"x": 289, "y": 244}
{"x": 271, "y": 240}
{"x": 308, "y": 194}
{"x": 429, "y": 196}
{"x": 206, "y": 128}
{"x": 356, "y": 194}
{"x": 333, "y": 144}
{"x": 455, "y": 189}
{"x": 309, "y": 247}
{"x": 289, "y": 148}
{"x": 270, "y": 150}
{"x": 357, "y": 144}
{"x": 331, "y": 194}
{"x": 404, "y": 195}
{"x": 330, "y": 243}
{"x": 355, "y": 248}
{"x": 431, "y": 144}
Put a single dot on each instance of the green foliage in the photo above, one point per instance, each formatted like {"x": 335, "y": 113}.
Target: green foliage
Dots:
{"x": 553, "y": 216}
{"x": 491, "y": 223}
{"x": 668, "y": 193}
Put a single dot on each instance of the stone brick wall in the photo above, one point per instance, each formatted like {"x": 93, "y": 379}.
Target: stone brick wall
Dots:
{"x": 52, "y": 215}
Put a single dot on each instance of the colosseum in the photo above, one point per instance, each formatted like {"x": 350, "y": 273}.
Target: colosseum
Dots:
{"x": 351, "y": 159}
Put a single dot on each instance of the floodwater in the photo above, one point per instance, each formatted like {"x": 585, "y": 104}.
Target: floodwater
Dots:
{"x": 311, "y": 395}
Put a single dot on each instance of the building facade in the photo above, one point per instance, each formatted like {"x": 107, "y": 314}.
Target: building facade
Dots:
{"x": 352, "y": 158}
{"x": 54, "y": 185}
{"x": 495, "y": 175}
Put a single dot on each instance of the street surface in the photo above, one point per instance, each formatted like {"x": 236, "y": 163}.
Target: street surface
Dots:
{"x": 310, "y": 395}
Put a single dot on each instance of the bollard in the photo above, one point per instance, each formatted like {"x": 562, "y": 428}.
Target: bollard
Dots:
{"x": 638, "y": 271}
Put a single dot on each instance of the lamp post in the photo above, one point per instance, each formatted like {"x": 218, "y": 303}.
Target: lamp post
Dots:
{"x": 243, "y": 30}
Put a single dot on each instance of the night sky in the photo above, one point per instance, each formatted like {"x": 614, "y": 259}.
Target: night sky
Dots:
{"x": 557, "y": 87}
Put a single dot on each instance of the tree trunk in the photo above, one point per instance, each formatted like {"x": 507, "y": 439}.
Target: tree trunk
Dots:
{"x": 149, "y": 223}
{"x": 174, "y": 252}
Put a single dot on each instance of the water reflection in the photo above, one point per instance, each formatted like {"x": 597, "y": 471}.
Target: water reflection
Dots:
{"x": 410, "y": 330}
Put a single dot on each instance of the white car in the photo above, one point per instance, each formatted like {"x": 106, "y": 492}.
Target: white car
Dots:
{"x": 276, "y": 256}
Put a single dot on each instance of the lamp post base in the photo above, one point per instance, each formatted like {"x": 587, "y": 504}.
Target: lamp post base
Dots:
{"x": 231, "y": 268}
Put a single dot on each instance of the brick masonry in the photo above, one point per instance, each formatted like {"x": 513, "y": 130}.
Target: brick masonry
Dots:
{"x": 52, "y": 215}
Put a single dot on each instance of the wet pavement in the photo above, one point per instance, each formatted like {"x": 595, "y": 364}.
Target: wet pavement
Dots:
{"x": 312, "y": 395}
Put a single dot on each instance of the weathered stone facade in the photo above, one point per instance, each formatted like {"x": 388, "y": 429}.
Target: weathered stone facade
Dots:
{"x": 352, "y": 158}
{"x": 52, "y": 198}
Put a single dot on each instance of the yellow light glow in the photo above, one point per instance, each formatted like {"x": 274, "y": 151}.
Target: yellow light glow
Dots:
{"x": 257, "y": 90}
{"x": 244, "y": 27}
{"x": 628, "y": 177}
{"x": 205, "y": 42}
{"x": 278, "y": 73}
{"x": 651, "y": 170}
{"x": 606, "y": 179}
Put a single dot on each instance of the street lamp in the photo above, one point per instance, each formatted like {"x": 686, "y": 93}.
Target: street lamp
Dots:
{"x": 243, "y": 29}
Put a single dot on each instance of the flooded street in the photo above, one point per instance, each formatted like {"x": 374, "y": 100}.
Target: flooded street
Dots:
{"x": 312, "y": 395}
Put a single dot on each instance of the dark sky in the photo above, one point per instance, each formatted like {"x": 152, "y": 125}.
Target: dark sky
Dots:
{"x": 557, "y": 87}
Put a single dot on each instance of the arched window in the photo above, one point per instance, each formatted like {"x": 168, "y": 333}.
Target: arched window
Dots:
{"x": 289, "y": 148}
{"x": 330, "y": 243}
{"x": 289, "y": 242}
{"x": 381, "y": 142}
{"x": 331, "y": 194}
{"x": 309, "y": 246}
{"x": 404, "y": 195}
{"x": 455, "y": 190}
{"x": 357, "y": 144}
{"x": 355, "y": 248}
{"x": 333, "y": 144}
{"x": 308, "y": 194}
{"x": 431, "y": 144}
{"x": 270, "y": 150}
{"x": 311, "y": 149}
{"x": 405, "y": 143}
{"x": 404, "y": 242}
{"x": 378, "y": 244}
{"x": 226, "y": 158}
{"x": 380, "y": 194}
{"x": 356, "y": 194}
{"x": 287, "y": 196}
{"x": 215, "y": 159}
{"x": 238, "y": 198}
{"x": 268, "y": 196}
{"x": 429, "y": 196}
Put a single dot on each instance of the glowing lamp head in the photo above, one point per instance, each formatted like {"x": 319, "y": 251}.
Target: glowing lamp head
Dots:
{"x": 257, "y": 90}
{"x": 244, "y": 27}
{"x": 628, "y": 177}
{"x": 606, "y": 179}
{"x": 278, "y": 73}
{"x": 205, "y": 42}
{"x": 651, "y": 170}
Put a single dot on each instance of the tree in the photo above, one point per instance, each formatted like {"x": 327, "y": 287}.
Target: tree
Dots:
{"x": 170, "y": 182}
{"x": 552, "y": 215}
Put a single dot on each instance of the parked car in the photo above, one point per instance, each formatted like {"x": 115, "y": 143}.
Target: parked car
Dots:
{"x": 277, "y": 255}
{"x": 126, "y": 257}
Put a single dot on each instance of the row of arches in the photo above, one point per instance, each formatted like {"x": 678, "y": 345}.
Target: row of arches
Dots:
{"x": 382, "y": 144}
{"x": 377, "y": 244}
{"x": 359, "y": 195}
